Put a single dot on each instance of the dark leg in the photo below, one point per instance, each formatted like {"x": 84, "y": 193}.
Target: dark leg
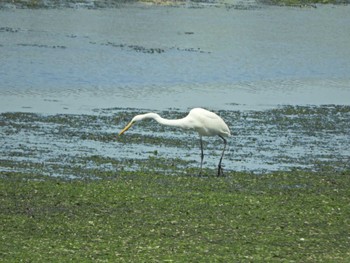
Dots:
{"x": 220, "y": 170}
{"x": 202, "y": 156}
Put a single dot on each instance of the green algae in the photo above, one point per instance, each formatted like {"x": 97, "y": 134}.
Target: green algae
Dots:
{"x": 302, "y": 3}
{"x": 66, "y": 202}
{"x": 147, "y": 216}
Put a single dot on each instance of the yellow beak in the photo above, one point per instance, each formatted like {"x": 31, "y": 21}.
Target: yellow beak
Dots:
{"x": 127, "y": 127}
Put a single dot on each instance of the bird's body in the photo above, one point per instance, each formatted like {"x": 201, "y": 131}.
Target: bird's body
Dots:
{"x": 205, "y": 122}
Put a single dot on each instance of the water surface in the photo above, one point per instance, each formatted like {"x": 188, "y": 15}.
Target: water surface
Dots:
{"x": 111, "y": 64}
{"x": 76, "y": 60}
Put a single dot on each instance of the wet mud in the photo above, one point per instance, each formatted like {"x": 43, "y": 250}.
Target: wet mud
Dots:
{"x": 311, "y": 138}
{"x": 93, "y": 4}
{"x": 240, "y": 5}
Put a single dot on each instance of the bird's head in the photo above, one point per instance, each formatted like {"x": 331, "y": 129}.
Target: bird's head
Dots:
{"x": 127, "y": 127}
{"x": 140, "y": 117}
{"x": 132, "y": 122}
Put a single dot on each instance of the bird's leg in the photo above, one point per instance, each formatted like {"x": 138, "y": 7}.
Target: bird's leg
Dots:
{"x": 220, "y": 170}
{"x": 202, "y": 156}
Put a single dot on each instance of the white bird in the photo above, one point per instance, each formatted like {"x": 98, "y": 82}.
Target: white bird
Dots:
{"x": 205, "y": 122}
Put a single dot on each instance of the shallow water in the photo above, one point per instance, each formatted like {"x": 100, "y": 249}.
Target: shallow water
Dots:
{"x": 77, "y": 60}
{"x": 111, "y": 64}
{"x": 303, "y": 138}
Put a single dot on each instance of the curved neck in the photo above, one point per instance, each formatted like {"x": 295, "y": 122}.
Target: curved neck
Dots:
{"x": 176, "y": 123}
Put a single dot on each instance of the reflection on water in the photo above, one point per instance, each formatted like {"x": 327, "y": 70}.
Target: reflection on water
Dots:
{"x": 74, "y": 60}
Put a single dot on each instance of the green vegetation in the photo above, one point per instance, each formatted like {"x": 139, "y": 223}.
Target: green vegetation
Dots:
{"x": 70, "y": 190}
{"x": 148, "y": 217}
{"x": 302, "y": 2}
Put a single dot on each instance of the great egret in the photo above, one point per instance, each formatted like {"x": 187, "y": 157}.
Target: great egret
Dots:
{"x": 205, "y": 122}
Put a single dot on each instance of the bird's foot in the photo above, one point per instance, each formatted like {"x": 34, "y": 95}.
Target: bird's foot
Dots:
{"x": 220, "y": 171}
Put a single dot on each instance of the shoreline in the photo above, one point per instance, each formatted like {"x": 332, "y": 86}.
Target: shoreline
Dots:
{"x": 42, "y": 4}
{"x": 303, "y": 138}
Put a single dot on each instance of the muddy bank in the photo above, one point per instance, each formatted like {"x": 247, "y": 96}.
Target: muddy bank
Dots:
{"x": 106, "y": 3}
{"x": 33, "y": 4}
{"x": 92, "y": 4}
{"x": 311, "y": 138}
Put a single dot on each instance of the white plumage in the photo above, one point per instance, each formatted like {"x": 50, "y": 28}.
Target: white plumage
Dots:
{"x": 205, "y": 122}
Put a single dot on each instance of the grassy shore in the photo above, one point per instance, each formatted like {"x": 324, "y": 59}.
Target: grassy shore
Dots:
{"x": 302, "y": 2}
{"x": 149, "y": 217}
{"x": 72, "y": 191}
